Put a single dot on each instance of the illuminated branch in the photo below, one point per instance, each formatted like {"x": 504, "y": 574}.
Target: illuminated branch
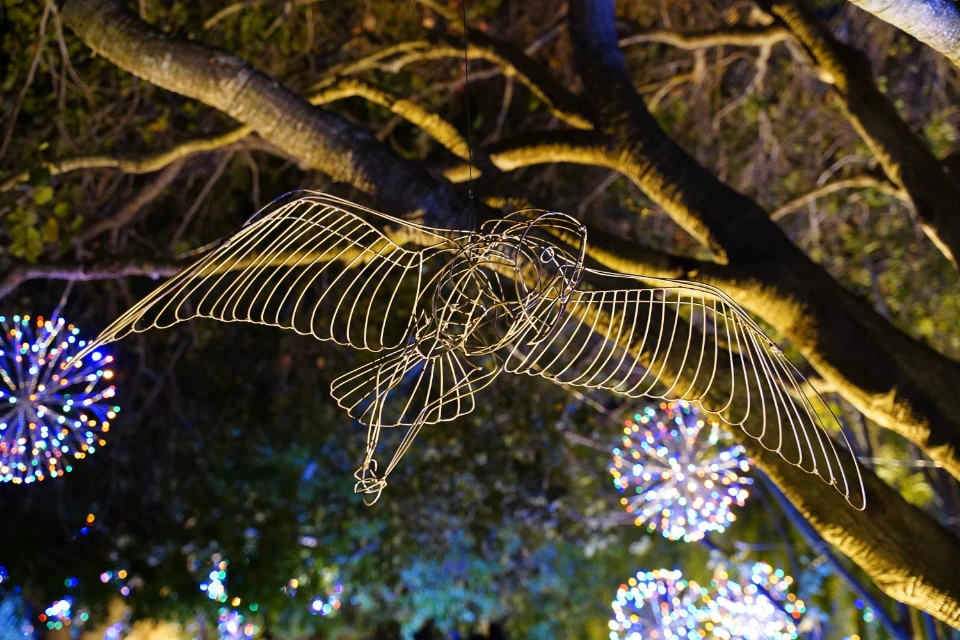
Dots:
{"x": 438, "y": 128}
{"x": 934, "y": 22}
{"x": 862, "y": 181}
{"x": 512, "y": 64}
{"x": 146, "y": 164}
{"x": 733, "y": 36}
{"x": 904, "y": 156}
{"x": 319, "y": 138}
{"x": 333, "y": 90}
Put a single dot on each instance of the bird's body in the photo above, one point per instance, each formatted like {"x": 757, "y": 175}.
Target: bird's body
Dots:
{"x": 448, "y": 318}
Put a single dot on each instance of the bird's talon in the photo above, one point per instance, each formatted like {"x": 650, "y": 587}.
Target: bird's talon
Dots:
{"x": 368, "y": 483}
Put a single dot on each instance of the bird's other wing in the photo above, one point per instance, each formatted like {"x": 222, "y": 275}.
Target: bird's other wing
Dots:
{"x": 312, "y": 264}
{"x": 685, "y": 340}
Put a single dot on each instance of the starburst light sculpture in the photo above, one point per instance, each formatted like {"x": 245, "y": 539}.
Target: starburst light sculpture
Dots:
{"x": 679, "y": 474}
{"x": 54, "y": 407}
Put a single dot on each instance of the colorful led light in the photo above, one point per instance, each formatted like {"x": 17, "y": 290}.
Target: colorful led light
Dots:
{"x": 53, "y": 410}
{"x": 657, "y": 605}
{"x": 675, "y": 477}
{"x": 759, "y": 607}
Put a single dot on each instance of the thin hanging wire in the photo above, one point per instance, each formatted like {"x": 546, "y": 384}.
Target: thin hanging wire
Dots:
{"x": 466, "y": 91}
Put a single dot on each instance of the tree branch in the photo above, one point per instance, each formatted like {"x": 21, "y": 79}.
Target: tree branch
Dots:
{"x": 329, "y": 91}
{"x": 432, "y": 124}
{"x": 145, "y": 164}
{"x": 904, "y": 156}
{"x": 79, "y": 273}
{"x": 730, "y": 36}
{"x": 150, "y": 192}
{"x": 323, "y": 140}
{"x": 934, "y": 22}
{"x": 512, "y": 64}
{"x": 818, "y": 544}
{"x": 860, "y": 181}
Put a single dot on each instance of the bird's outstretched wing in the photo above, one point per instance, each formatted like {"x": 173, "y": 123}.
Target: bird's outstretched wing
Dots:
{"x": 685, "y": 340}
{"x": 310, "y": 263}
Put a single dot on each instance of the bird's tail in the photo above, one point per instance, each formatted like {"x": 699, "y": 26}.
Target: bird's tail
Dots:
{"x": 405, "y": 388}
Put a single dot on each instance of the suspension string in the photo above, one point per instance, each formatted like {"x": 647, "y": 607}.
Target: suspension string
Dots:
{"x": 466, "y": 91}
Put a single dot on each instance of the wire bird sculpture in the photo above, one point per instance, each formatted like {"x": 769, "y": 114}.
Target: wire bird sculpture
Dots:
{"x": 507, "y": 297}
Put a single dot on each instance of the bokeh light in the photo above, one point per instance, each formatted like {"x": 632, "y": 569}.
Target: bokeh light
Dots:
{"x": 52, "y": 410}
{"x": 14, "y": 622}
{"x": 674, "y": 476}
{"x": 657, "y": 605}
{"x": 758, "y": 607}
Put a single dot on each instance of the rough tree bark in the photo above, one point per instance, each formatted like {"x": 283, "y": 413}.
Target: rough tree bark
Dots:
{"x": 934, "y": 22}
{"x": 885, "y": 539}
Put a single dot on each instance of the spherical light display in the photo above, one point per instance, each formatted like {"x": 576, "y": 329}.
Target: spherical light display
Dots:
{"x": 657, "y": 605}
{"x": 758, "y": 607}
{"x": 677, "y": 473}
{"x": 53, "y": 409}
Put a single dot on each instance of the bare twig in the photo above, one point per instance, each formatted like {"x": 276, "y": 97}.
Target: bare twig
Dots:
{"x": 207, "y": 188}
{"x": 79, "y": 273}
{"x": 31, "y": 73}
{"x": 229, "y": 10}
{"x": 132, "y": 207}
{"x": 693, "y": 40}
{"x": 861, "y": 181}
